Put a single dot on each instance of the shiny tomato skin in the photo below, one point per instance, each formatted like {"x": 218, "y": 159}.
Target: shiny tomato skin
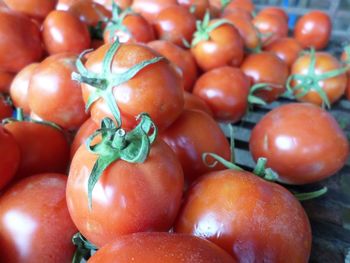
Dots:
{"x": 191, "y": 135}
{"x": 302, "y": 143}
{"x": 43, "y": 149}
{"x": 200, "y": 6}
{"x": 123, "y": 4}
{"x": 136, "y": 197}
{"x": 157, "y": 247}
{"x": 65, "y": 105}
{"x": 35, "y": 226}
{"x": 274, "y": 10}
{"x": 20, "y": 41}
{"x": 5, "y": 81}
{"x": 224, "y": 48}
{"x": 193, "y": 102}
{"x": 10, "y": 157}
{"x": 313, "y": 30}
{"x": 6, "y": 109}
{"x": 266, "y": 67}
{"x": 252, "y": 219}
{"x": 157, "y": 89}
{"x": 34, "y": 8}
{"x": 226, "y": 91}
{"x": 63, "y": 32}
{"x": 150, "y": 9}
{"x": 89, "y": 12}
{"x": 286, "y": 48}
{"x": 181, "y": 58}
{"x": 333, "y": 87}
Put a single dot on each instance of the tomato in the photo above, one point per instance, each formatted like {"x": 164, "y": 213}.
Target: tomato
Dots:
{"x": 160, "y": 248}
{"x": 19, "y": 87}
{"x": 34, "y": 8}
{"x": 157, "y": 89}
{"x": 123, "y": 4}
{"x": 5, "y": 108}
{"x": 246, "y": 5}
{"x": 43, "y": 148}
{"x": 63, "y": 32}
{"x": 121, "y": 192}
{"x": 286, "y": 48}
{"x": 65, "y": 4}
{"x": 226, "y": 91}
{"x": 181, "y": 58}
{"x": 274, "y": 10}
{"x": 150, "y": 9}
{"x": 266, "y": 67}
{"x": 191, "y": 135}
{"x": 300, "y": 142}
{"x": 5, "y": 81}
{"x": 333, "y": 88}
{"x": 345, "y": 58}
{"x": 20, "y": 42}
{"x": 272, "y": 27}
{"x": 34, "y": 221}
{"x": 239, "y": 12}
{"x": 175, "y": 24}
{"x": 313, "y": 30}
{"x": 193, "y": 102}
{"x": 347, "y": 91}
{"x": 199, "y": 6}
{"x": 252, "y": 219}
{"x": 10, "y": 157}
{"x": 64, "y": 102}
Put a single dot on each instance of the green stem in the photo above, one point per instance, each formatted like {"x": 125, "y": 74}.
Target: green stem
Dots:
{"x": 311, "y": 195}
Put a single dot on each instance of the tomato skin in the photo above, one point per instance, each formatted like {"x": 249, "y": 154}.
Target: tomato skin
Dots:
{"x": 266, "y": 67}
{"x": 43, "y": 149}
{"x": 193, "y": 102}
{"x": 226, "y": 91}
{"x": 65, "y": 105}
{"x": 35, "y": 226}
{"x": 33, "y": 8}
{"x": 160, "y": 248}
{"x": 246, "y": 5}
{"x": 201, "y": 6}
{"x": 20, "y": 42}
{"x": 274, "y": 10}
{"x": 5, "y": 108}
{"x": 122, "y": 191}
{"x": 10, "y": 157}
{"x": 302, "y": 143}
{"x": 191, "y": 135}
{"x": 313, "y": 30}
{"x": 63, "y": 32}
{"x": 333, "y": 87}
{"x": 225, "y": 48}
{"x": 123, "y": 4}
{"x": 252, "y": 219}
{"x": 5, "y": 81}
{"x": 89, "y": 12}
{"x": 150, "y": 9}
{"x": 181, "y": 58}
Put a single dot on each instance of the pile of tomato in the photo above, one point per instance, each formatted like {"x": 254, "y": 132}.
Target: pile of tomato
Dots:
{"x": 110, "y": 144}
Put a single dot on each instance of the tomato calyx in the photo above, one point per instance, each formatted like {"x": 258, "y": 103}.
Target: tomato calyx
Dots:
{"x": 84, "y": 248}
{"x": 253, "y": 99}
{"x": 117, "y": 144}
{"x": 105, "y": 81}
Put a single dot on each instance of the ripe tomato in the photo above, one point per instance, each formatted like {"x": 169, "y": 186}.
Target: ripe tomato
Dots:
{"x": 150, "y": 9}
{"x": 266, "y": 67}
{"x": 5, "y": 81}
{"x": 302, "y": 143}
{"x": 5, "y": 108}
{"x": 246, "y": 5}
{"x": 34, "y": 8}
{"x": 226, "y": 91}
{"x": 252, "y": 219}
{"x": 63, "y": 32}
{"x": 34, "y": 221}
{"x": 193, "y": 102}
{"x": 313, "y": 30}
{"x": 199, "y": 6}
{"x": 19, "y": 87}
{"x": 65, "y": 4}
{"x": 43, "y": 148}
{"x": 160, "y": 248}
{"x": 123, "y": 4}
{"x": 65, "y": 105}
{"x": 191, "y": 135}
{"x": 175, "y": 24}
{"x": 121, "y": 193}
{"x": 181, "y": 58}
{"x": 286, "y": 48}
{"x": 20, "y": 42}
{"x": 10, "y": 157}
{"x": 274, "y": 10}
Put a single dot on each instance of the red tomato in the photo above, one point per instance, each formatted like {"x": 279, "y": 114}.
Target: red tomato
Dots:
{"x": 274, "y": 10}
{"x": 286, "y": 48}
{"x": 193, "y": 102}
{"x": 252, "y": 219}
{"x": 63, "y": 32}
{"x": 150, "y": 9}
{"x": 89, "y": 12}
{"x": 347, "y": 91}
{"x": 226, "y": 91}
{"x": 160, "y": 248}
{"x": 65, "y": 105}
{"x": 247, "y": 5}
{"x": 302, "y": 143}
{"x": 5, "y": 108}
{"x": 34, "y": 8}
{"x": 191, "y": 135}
{"x": 266, "y": 67}
{"x": 313, "y": 30}
{"x": 10, "y": 157}
{"x": 65, "y": 4}
{"x": 5, "y": 81}
{"x": 43, "y": 148}
{"x": 34, "y": 221}
{"x": 138, "y": 197}
{"x": 20, "y": 42}
{"x": 181, "y": 58}
{"x": 175, "y": 24}
{"x": 199, "y": 6}
{"x": 19, "y": 87}
{"x": 123, "y": 4}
